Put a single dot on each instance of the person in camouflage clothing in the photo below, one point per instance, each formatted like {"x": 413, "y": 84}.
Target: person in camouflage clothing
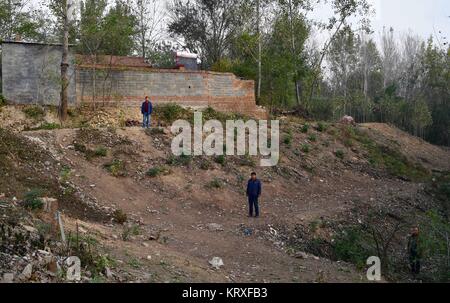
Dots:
{"x": 414, "y": 252}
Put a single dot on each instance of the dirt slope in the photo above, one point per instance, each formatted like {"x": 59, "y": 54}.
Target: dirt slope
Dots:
{"x": 190, "y": 210}
{"x": 418, "y": 150}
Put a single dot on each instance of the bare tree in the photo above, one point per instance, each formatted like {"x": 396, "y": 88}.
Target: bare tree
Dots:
{"x": 344, "y": 9}
{"x": 389, "y": 56}
{"x": 150, "y": 17}
{"x": 412, "y": 51}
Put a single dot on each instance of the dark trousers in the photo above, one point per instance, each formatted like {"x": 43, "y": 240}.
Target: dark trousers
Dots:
{"x": 253, "y": 203}
{"x": 415, "y": 266}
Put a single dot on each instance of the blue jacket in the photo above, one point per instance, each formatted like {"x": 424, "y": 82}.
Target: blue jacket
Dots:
{"x": 150, "y": 108}
{"x": 254, "y": 188}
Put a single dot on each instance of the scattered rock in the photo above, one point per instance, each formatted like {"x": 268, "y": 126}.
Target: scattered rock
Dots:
{"x": 27, "y": 272}
{"x": 215, "y": 227}
{"x": 301, "y": 255}
{"x": 108, "y": 273}
{"x": 50, "y": 204}
{"x": 82, "y": 230}
{"x": 30, "y": 229}
{"x": 216, "y": 263}
{"x": 8, "y": 278}
{"x": 348, "y": 120}
{"x": 154, "y": 237}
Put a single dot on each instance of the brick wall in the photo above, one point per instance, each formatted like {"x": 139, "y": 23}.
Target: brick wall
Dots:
{"x": 196, "y": 89}
{"x": 31, "y": 75}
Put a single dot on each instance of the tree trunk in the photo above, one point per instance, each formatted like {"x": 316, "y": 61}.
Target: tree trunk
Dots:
{"x": 65, "y": 66}
{"x": 297, "y": 87}
{"x": 258, "y": 94}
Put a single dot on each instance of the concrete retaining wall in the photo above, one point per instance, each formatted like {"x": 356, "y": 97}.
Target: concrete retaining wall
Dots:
{"x": 31, "y": 74}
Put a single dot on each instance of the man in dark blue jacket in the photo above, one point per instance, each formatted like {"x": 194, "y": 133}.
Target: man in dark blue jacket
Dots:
{"x": 147, "y": 110}
{"x": 253, "y": 194}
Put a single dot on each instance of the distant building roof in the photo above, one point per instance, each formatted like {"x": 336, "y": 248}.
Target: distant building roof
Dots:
{"x": 116, "y": 61}
{"x": 186, "y": 55}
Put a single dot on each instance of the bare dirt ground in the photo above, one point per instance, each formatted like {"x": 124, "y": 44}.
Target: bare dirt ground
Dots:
{"x": 178, "y": 221}
{"x": 180, "y": 208}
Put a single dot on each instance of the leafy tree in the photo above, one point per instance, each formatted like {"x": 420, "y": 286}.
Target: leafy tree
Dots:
{"x": 17, "y": 19}
{"x": 119, "y": 27}
{"x": 206, "y": 27}
{"x": 92, "y": 34}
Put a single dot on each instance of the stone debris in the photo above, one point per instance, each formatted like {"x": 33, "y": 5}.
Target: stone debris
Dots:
{"x": 27, "y": 272}
{"x": 8, "y": 278}
{"x": 216, "y": 263}
{"x": 215, "y": 227}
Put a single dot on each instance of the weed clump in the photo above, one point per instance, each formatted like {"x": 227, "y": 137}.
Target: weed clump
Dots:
{"x": 339, "y": 153}
{"x": 214, "y": 184}
{"x": 156, "y": 171}
{"x": 34, "y": 112}
{"x": 116, "y": 168}
{"x": 120, "y": 217}
{"x": 32, "y": 200}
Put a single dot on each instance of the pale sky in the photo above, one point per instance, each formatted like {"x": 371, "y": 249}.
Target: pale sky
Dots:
{"x": 425, "y": 17}
{"x": 421, "y": 17}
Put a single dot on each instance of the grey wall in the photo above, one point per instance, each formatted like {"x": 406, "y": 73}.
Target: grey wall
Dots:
{"x": 31, "y": 74}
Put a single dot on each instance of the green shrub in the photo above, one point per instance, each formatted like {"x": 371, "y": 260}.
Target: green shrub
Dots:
{"x": 305, "y": 128}
{"x": 205, "y": 164}
{"x": 354, "y": 246}
{"x": 120, "y": 217}
{"x": 128, "y": 231}
{"x": 49, "y": 126}
{"x": 32, "y": 199}
{"x": 156, "y": 171}
{"x": 216, "y": 183}
{"x": 101, "y": 152}
{"x": 80, "y": 147}
{"x": 153, "y": 172}
{"x": 434, "y": 245}
{"x": 247, "y": 161}
{"x": 306, "y": 148}
{"x": 2, "y": 101}
{"x": 321, "y": 127}
{"x": 171, "y": 112}
{"x": 220, "y": 160}
{"x": 98, "y": 152}
{"x": 183, "y": 160}
{"x": 287, "y": 139}
{"x": 34, "y": 112}
{"x": 116, "y": 168}
{"x": 389, "y": 158}
{"x": 312, "y": 138}
{"x": 65, "y": 174}
{"x": 339, "y": 153}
